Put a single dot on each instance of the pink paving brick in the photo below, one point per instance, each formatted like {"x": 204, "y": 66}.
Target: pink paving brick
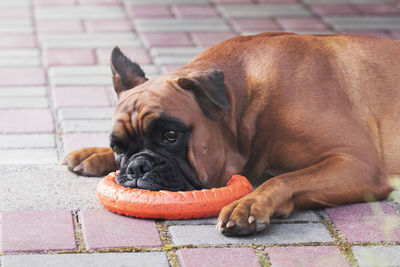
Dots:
{"x": 37, "y": 231}
{"x": 169, "y": 68}
{"x": 306, "y": 256}
{"x": 149, "y": 11}
{"x": 104, "y": 229}
{"x": 139, "y": 55}
{"x": 216, "y": 257}
{"x": 333, "y": 9}
{"x": 209, "y": 38}
{"x": 301, "y": 24}
{"x": 377, "y": 9}
{"x": 26, "y": 121}
{"x": 59, "y": 26}
{"x": 167, "y": 39}
{"x": 120, "y": 25}
{"x": 257, "y": 24}
{"x": 76, "y": 141}
{"x": 17, "y": 41}
{"x": 53, "y": 57}
{"x": 192, "y": 11}
{"x": 22, "y": 76}
{"x": 80, "y": 97}
{"x": 11, "y": 12}
{"x": 100, "y": 2}
{"x": 366, "y": 222}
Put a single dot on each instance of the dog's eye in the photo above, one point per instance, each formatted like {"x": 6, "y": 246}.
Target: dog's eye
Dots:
{"x": 170, "y": 136}
{"x": 116, "y": 150}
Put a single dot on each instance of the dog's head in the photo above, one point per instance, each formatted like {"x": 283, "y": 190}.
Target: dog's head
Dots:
{"x": 167, "y": 132}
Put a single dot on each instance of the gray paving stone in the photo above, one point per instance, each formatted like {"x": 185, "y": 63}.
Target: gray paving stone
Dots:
{"x": 45, "y": 187}
{"x": 28, "y": 156}
{"x": 299, "y": 216}
{"x": 15, "y": 25}
{"x": 84, "y": 113}
{"x": 175, "y": 51}
{"x": 164, "y": 2}
{"x": 27, "y": 141}
{"x": 344, "y": 1}
{"x": 143, "y": 259}
{"x": 15, "y": 3}
{"x": 23, "y": 91}
{"x": 20, "y": 57}
{"x": 263, "y": 10}
{"x": 24, "y": 102}
{"x": 82, "y": 126}
{"x": 377, "y": 255}
{"x": 89, "y": 40}
{"x": 274, "y": 234}
{"x": 79, "y": 12}
{"x": 187, "y": 25}
{"x": 364, "y": 23}
{"x": 212, "y": 221}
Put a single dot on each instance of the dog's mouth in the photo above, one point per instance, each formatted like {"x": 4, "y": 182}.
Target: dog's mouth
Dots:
{"x": 147, "y": 170}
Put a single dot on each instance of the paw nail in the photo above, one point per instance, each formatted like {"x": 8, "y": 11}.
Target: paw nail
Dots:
{"x": 252, "y": 219}
{"x": 78, "y": 168}
{"x": 230, "y": 224}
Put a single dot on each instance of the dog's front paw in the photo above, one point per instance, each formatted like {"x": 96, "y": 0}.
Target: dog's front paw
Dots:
{"x": 91, "y": 161}
{"x": 245, "y": 216}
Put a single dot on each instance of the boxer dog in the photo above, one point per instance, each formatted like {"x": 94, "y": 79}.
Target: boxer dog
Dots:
{"x": 320, "y": 113}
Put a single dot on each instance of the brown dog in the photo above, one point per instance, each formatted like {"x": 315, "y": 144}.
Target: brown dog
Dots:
{"x": 320, "y": 113}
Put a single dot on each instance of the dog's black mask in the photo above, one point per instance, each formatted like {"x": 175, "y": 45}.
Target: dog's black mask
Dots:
{"x": 157, "y": 159}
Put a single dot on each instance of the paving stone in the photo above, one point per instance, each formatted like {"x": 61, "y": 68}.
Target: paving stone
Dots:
{"x": 263, "y": 10}
{"x": 212, "y": 221}
{"x": 150, "y": 11}
{"x": 23, "y": 91}
{"x": 54, "y": 2}
{"x": 16, "y": 26}
{"x": 248, "y": 24}
{"x": 59, "y": 26}
{"x": 80, "y": 97}
{"x": 45, "y": 187}
{"x": 192, "y": 11}
{"x": 364, "y": 23}
{"x": 80, "y": 12}
{"x": 26, "y": 120}
{"x": 293, "y": 24}
{"x": 16, "y": 3}
{"x": 206, "y": 39}
{"x": 100, "y": 2}
{"x": 88, "y": 75}
{"x": 69, "y": 57}
{"x": 31, "y": 76}
{"x": 76, "y": 141}
{"x": 377, "y": 255}
{"x": 89, "y": 40}
{"x": 103, "y": 229}
{"x": 28, "y": 156}
{"x": 17, "y": 41}
{"x": 20, "y": 57}
{"x": 164, "y": 2}
{"x": 306, "y": 256}
{"x": 142, "y": 259}
{"x": 84, "y": 113}
{"x": 78, "y": 126}
{"x": 137, "y": 54}
{"x": 376, "y": 33}
{"x": 97, "y": 25}
{"x": 333, "y": 9}
{"x": 342, "y": 1}
{"x": 205, "y": 257}
{"x": 174, "y": 56}
{"x": 27, "y": 141}
{"x": 377, "y": 9}
{"x": 395, "y": 196}
{"x": 274, "y": 234}
{"x": 169, "y": 68}
{"x": 181, "y": 24}
{"x": 161, "y": 39}
{"x": 366, "y": 222}
{"x": 298, "y": 216}
{"x": 15, "y": 12}
{"x": 37, "y": 231}
{"x": 23, "y": 102}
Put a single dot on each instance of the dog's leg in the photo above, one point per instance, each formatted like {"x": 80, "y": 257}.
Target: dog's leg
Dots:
{"x": 91, "y": 161}
{"x": 336, "y": 180}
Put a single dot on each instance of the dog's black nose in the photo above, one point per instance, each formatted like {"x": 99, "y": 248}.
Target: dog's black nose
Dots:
{"x": 140, "y": 166}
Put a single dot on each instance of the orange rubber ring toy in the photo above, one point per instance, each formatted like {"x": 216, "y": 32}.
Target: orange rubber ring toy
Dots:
{"x": 170, "y": 205}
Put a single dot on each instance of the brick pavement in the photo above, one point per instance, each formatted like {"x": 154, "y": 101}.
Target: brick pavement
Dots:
{"x": 56, "y": 96}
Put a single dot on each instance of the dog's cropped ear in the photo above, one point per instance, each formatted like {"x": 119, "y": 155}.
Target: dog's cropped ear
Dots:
{"x": 126, "y": 74}
{"x": 209, "y": 90}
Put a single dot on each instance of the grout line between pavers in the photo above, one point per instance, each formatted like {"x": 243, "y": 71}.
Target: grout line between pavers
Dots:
{"x": 168, "y": 246}
{"x": 79, "y": 239}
